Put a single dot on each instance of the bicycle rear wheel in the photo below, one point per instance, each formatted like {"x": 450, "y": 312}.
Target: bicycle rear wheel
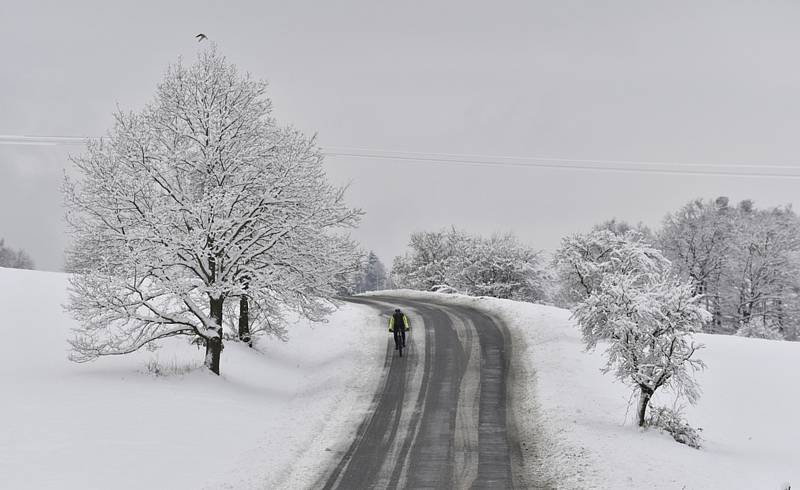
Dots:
{"x": 398, "y": 342}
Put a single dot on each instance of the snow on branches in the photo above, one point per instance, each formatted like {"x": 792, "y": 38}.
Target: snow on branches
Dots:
{"x": 743, "y": 260}
{"x": 198, "y": 199}
{"x": 628, "y": 297}
{"x": 498, "y": 266}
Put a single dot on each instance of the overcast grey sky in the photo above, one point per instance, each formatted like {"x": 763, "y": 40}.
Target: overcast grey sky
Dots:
{"x": 713, "y": 82}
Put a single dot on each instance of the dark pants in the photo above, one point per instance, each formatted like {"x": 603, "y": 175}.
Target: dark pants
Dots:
{"x": 399, "y": 338}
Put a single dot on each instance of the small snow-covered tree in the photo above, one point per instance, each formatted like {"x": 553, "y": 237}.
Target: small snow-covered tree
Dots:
{"x": 197, "y": 200}
{"x": 584, "y": 260}
{"x": 372, "y": 274}
{"x": 629, "y": 298}
{"x": 14, "y": 259}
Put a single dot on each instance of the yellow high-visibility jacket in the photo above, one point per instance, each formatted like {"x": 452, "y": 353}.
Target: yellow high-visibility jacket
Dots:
{"x": 405, "y": 323}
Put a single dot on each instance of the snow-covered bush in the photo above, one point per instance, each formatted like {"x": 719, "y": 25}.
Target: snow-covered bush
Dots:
{"x": 672, "y": 422}
{"x": 431, "y": 259}
{"x": 497, "y": 266}
{"x": 758, "y": 329}
{"x": 172, "y": 368}
{"x": 630, "y": 300}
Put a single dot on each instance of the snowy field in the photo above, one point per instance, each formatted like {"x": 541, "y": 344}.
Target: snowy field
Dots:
{"x": 267, "y": 422}
{"x": 274, "y": 416}
{"x": 748, "y": 410}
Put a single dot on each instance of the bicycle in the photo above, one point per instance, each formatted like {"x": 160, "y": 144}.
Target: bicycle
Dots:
{"x": 399, "y": 325}
{"x": 400, "y": 336}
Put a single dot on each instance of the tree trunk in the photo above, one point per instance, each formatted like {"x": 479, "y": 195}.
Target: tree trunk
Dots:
{"x": 717, "y": 314}
{"x": 214, "y": 344}
{"x": 213, "y": 353}
{"x": 244, "y": 320}
{"x": 644, "y": 400}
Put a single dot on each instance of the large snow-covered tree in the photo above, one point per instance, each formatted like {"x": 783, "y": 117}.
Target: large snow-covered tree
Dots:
{"x": 629, "y": 298}
{"x": 197, "y": 200}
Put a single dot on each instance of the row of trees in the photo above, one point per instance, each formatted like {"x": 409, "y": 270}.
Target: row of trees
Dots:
{"x": 14, "y": 259}
{"x": 744, "y": 261}
{"x": 498, "y": 266}
{"x": 199, "y": 212}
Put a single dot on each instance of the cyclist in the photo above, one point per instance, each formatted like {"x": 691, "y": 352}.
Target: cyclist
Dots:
{"x": 400, "y": 320}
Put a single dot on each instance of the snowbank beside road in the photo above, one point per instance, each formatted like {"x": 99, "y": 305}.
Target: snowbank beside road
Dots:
{"x": 575, "y": 416}
{"x": 271, "y": 420}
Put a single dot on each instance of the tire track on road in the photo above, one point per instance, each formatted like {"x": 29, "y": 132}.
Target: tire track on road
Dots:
{"x": 440, "y": 419}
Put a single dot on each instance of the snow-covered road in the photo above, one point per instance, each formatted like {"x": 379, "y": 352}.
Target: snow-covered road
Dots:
{"x": 440, "y": 418}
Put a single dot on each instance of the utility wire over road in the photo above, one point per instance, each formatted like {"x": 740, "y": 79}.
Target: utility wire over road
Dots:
{"x": 736, "y": 169}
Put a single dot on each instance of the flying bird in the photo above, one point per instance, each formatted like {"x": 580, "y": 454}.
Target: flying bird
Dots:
{"x": 201, "y": 37}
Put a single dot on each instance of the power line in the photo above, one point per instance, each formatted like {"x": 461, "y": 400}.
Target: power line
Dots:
{"x": 502, "y": 161}
{"x": 345, "y": 150}
{"x": 14, "y": 139}
{"x": 566, "y": 165}
{"x": 455, "y": 157}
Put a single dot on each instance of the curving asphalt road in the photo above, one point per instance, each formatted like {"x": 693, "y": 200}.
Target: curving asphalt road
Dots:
{"x": 440, "y": 419}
